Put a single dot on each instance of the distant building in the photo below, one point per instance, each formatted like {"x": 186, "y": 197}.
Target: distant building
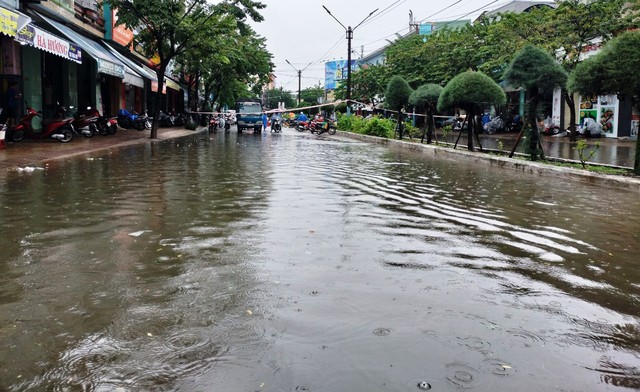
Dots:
{"x": 272, "y": 81}
{"x": 426, "y": 28}
{"x": 518, "y": 6}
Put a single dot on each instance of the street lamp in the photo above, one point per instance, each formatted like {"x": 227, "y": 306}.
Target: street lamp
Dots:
{"x": 299, "y": 76}
{"x": 349, "y": 32}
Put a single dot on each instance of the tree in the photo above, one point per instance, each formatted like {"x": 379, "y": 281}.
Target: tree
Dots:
{"x": 397, "y": 97}
{"x": 243, "y": 70}
{"x": 499, "y": 38}
{"x": 575, "y": 25}
{"x": 276, "y": 95}
{"x": 537, "y": 72}
{"x": 170, "y": 28}
{"x": 435, "y": 58}
{"x": 467, "y": 91}
{"x": 426, "y": 97}
{"x": 367, "y": 84}
{"x": 614, "y": 70}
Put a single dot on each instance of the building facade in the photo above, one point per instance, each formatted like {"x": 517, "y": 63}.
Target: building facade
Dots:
{"x": 72, "y": 53}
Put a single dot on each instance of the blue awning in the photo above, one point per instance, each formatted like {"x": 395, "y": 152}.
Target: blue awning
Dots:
{"x": 107, "y": 63}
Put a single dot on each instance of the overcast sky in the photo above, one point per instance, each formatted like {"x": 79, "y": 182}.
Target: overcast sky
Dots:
{"x": 302, "y": 32}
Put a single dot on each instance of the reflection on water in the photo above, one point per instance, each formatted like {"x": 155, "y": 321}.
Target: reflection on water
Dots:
{"x": 291, "y": 262}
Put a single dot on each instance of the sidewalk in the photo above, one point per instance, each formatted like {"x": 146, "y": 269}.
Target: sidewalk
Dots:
{"x": 614, "y": 152}
{"x": 34, "y": 152}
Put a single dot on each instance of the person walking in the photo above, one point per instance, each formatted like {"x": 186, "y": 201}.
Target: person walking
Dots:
{"x": 265, "y": 120}
{"x": 12, "y": 100}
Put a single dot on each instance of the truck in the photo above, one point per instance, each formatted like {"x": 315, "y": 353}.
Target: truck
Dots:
{"x": 249, "y": 115}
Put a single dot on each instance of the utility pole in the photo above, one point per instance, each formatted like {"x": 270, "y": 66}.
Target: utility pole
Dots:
{"x": 299, "y": 71}
{"x": 349, "y": 32}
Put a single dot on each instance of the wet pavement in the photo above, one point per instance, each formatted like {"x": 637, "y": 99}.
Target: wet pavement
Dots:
{"x": 32, "y": 152}
{"x": 614, "y": 152}
{"x": 291, "y": 262}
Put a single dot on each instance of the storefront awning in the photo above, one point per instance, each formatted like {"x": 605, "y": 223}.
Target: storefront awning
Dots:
{"x": 172, "y": 84}
{"x": 107, "y": 63}
{"x": 131, "y": 64}
{"x": 133, "y": 79}
{"x": 41, "y": 39}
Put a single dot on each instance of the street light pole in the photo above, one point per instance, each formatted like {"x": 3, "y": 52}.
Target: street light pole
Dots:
{"x": 349, "y": 32}
{"x": 299, "y": 71}
{"x": 349, "y": 38}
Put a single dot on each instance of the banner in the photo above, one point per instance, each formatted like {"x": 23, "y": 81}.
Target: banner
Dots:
{"x": 8, "y": 22}
{"x": 121, "y": 34}
{"x": 43, "y": 40}
{"x": 335, "y": 72}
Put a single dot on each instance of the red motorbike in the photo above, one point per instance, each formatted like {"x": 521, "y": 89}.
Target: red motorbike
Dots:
{"x": 302, "y": 126}
{"x": 213, "y": 124}
{"x": 107, "y": 125}
{"x": 86, "y": 124}
{"x": 60, "y": 129}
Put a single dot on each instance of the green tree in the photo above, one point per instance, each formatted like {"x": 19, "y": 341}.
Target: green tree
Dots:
{"x": 501, "y": 37}
{"x": 537, "y": 72}
{"x": 276, "y": 95}
{"x": 169, "y": 28}
{"x": 614, "y": 70}
{"x": 425, "y": 98}
{"x": 241, "y": 71}
{"x": 310, "y": 95}
{"x": 467, "y": 91}
{"x": 574, "y": 26}
{"x": 397, "y": 97}
{"x": 367, "y": 84}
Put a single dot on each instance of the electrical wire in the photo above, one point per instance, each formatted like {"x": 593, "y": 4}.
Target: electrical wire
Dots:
{"x": 422, "y": 20}
{"x": 385, "y": 11}
{"x": 430, "y": 16}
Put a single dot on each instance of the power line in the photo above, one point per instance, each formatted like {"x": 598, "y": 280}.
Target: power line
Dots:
{"x": 449, "y": 22}
{"x": 385, "y": 11}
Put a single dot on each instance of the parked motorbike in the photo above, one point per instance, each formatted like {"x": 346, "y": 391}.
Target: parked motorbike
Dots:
{"x": 178, "y": 119}
{"x": 107, "y": 125}
{"x": 166, "y": 120}
{"x": 86, "y": 124}
{"x": 496, "y": 124}
{"x": 548, "y": 127}
{"x": 127, "y": 120}
{"x": 60, "y": 128}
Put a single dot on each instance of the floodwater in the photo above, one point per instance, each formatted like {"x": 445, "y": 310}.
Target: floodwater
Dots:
{"x": 288, "y": 262}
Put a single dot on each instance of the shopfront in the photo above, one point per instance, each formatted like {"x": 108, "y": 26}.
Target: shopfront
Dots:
{"x": 102, "y": 78}
{"x": 11, "y": 21}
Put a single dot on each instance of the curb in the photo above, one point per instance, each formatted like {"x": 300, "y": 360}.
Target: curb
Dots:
{"x": 535, "y": 168}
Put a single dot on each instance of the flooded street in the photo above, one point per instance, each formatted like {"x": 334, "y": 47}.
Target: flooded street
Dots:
{"x": 287, "y": 262}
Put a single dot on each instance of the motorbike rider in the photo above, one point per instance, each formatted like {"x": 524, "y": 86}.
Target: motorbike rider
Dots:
{"x": 277, "y": 116}
{"x": 326, "y": 122}
{"x": 221, "y": 121}
{"x": 302, "y": 117}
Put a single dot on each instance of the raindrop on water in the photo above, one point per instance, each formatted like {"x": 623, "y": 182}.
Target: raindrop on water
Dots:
{"x": 381, "y": 331}
{"x": 424, "y": 386}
